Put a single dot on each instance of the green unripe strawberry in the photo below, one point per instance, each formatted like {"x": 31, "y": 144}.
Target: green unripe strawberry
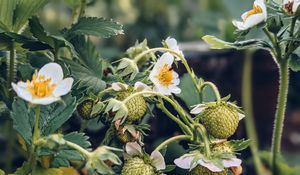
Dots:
{"x": 125, "y": 137}
{"x": 85, "y": 108}
{"x": 220, "y": 120}
{"x": 136, "y": 106}
{"x": 200, "y": 170}
{"x": 137, "y": 166}
{"x": 222, "y": 148}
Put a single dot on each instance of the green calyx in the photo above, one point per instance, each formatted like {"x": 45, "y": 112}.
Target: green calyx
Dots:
{"x": 200, "y": 170}
{"x": 220, "y": 119}
{"x": 136, "y": 106}
{"x": 137, "y": 166}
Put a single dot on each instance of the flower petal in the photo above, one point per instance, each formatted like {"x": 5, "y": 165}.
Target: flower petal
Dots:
{"x": 133, "y": 149}
{"x": 233, "y": 162}
{"x": 117, "y": 86}
{"x": 21, "y": 91}
{"x": 198, "y": 109}
{"x": 45, "y": 101}
{"x": 184, "y": 162}
{"x": 53, "y": 71}
{"x": 63, "y": 87}
{"x": 212, "y": 167}
{"x": 241, "y": 116}
{"x": 158, "y": 160}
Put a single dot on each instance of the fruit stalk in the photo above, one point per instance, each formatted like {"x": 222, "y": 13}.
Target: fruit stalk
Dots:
{"x": 280, "y": 114}
{"x": 248, "y": 108}
{"x": 171, "y": 140}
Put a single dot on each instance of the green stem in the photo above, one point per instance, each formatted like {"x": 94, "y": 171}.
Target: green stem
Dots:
{"x": 204, "y": 137}
{"x": 12, "y": 67}
{"x": 248, "y": 108}
{"x": 100, "y": 94}
{"x": 82, "y": 8}
{"x": 171, "y": 140}
{"x": 280, "y": 114}
{"x": 35, "y": 137}
{"x": 183, "y": 127}
{"x": 84, "y": 152}
{"x": 178, "y": 55}
{"x": 213, "y": 87}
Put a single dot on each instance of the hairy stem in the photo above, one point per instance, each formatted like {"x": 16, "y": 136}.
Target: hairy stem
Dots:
{"x": 280, "y": 114}
{"x": 248, "y": 108}
{"x": 82, "y": 8}
{"x": 171, "y": 140}
{"x": 201, "y": 129}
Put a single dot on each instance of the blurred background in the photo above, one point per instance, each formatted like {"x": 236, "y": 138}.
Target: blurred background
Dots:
{"x": 188, "y": 21}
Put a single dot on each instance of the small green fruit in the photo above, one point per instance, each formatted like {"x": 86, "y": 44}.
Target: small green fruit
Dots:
{"x": 125, "y": 137}
{"x": 200, "y": 170}
{"x": 136, "y": 106}
{"x": 220, "y": 120}
{"x": 137, "y": 166}
{"x": 222, "y": 148}
{"x": 85, "y": 108}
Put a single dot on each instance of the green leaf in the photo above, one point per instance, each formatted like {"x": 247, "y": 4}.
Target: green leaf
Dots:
{"x": 55, "y": 115}
{"x": 169, "y": 168}
{"x": 94, "y": 26}
{"x": 78, "y": 138}
{"x": 26, "y": 42}
{"x": 23, "y": 119}
{"x": 38, "y": 32}
{"x": 24, "y": 10}
{"x": 188, "y": 91}
{"x": 239, "y": 145}
{"x": 294, "y": 62}
{"x": 89, "y": 72}
{"x": 53, "y": 41}
{"x": 216, "y": 43}
{"x": 7, "y": 8}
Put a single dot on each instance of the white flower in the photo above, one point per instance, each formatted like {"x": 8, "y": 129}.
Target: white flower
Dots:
{"x": 190, "y": 161}
{"x": 171, "y": 43}
{"x": 157, "y": 160}
{"x": 291, "y": 6}
{"x": 164, "y": 78}
{"x": 47, "y": 85}
{"x": 197, "y": 109}
{"x": 252, "y": 17}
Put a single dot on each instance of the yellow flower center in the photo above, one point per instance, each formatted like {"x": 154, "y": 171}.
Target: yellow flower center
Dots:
{"x": 256, "y": 10}
{"x": 40, "y": 87}
{"x": 165, "y": 75}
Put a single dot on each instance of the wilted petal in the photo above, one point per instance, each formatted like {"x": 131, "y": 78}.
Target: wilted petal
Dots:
{"x": 233, "y": 162}
{"x": 133, "y": 149}
{"x": 119, "y": 86}
{"x": 241, "y": 116}
{"x": 198, "y": 109}
{"x": 158, "y": 160}
{"x": 184, "y": 162}
{"x": 212, "y": 167}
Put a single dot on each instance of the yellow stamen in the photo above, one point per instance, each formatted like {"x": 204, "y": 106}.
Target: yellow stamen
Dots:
{"x": 256, "y": 10}
{"x": 165, "y": 75}
{"x": 40, "y": 87}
